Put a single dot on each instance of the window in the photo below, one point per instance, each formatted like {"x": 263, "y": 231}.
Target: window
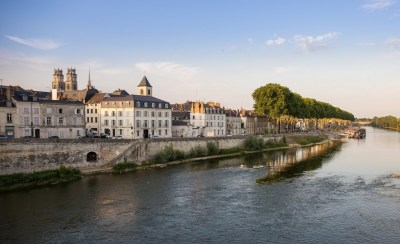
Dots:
{"x": 27, "y": 132}
{"x": 26, "y": 120}
{"x": 159, "y": 113}
{"x": 95, "y": 119}
{"x": 78, "y": 111}
{"x": 159, "y": 123}
{"x": 166, "y": 105}
{"x": 36, "y": 120}
{"x": 87, "y": 111}
{"x": 26, "y": 110}
{"x": 120, "y": 113}
{"x": 138, "y": 123}
{"x": 141, "y": 91}
{"x": 78, "y": 133}
{"x": 138, "y": 104}
{"x": 95, "y": 110}
{"x": 61, "y": 134}
{"x": 166, "y": 123}
{"x": 60, "y": 121}
{"x": 159, "y": 132}
{"x": 137, "y": 133}
{"x": 148, "y": 92}
{"x": 192, "y": 117}
{"x": 87, "y": 120}
{"x": 113, "y": 122}
{"x": 145, "y": 113}
{"x": 35, "y": 110}
{"x": 91, "y": 110}
{"x": 152, "y": 124}
{"x": 153, "y": 105}
{"x": 120, "y": 122}
{"x": 48, "y": 120}
{"x": 166, "y": 114}
{"x": 105, "y": 113}
{"x": 145, "y": 104}
{"x": 120, "y": 132}
{"x": 153, "y": 114}
{"x": 9, "y": 118}
{"x": 91, "y": 119}
{"x": 159, "y": 105}
{"x": 166, "y": 132}
{"x": 138, "y": 114}
{"x": 145, "y": 123}
{"x": 106, "y": 122}
{"x": 113, "y": 113}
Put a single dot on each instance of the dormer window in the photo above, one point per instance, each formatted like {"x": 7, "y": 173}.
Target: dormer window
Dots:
{"x": 145, "y": 104}
{"x": 153, "y": 105}
{"x": 141, "y": 92}
{"x": 138, "y": 104}
{"x": 166, "y": 105}
{"x": 148, "y": 92}
{"x": 159, "y": 105}
{"x": 24, "y": 97}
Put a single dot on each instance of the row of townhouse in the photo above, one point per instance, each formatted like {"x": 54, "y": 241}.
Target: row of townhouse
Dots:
{"x": 200, "y": 119}
{"x": 30, "y": 114}
{"x": 75, "y": 113}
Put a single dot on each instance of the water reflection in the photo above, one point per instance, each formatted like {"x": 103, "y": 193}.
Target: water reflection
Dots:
{"x": 292, "y": 163}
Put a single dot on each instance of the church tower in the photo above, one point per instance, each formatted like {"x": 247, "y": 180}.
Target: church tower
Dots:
{"x": 58, "y": 80}
{"x": 89, "y": 84}
{"x": 71, "y": 84}
{"x": 144, "y": 88}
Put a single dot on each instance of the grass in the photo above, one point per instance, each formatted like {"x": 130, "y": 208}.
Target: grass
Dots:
{"x": 23, "y": 181}
{"x": 125, "y": 166}
{"x": 305, "y": 140}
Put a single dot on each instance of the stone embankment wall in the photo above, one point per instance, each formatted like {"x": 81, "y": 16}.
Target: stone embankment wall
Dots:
{"x": 30, "y": 155}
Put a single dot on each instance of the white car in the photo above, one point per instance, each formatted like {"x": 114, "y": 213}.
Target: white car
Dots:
{"x": 117, "y": 137}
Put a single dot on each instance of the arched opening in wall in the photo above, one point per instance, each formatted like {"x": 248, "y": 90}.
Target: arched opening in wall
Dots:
{"x": 91, "y": 157}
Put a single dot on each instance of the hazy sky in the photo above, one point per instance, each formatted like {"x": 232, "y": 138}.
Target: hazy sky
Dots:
{"x": 344, "y": 52}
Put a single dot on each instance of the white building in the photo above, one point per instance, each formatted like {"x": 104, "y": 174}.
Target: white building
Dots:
{"x": 208, "y": 119}
{"x": 233, "y": 122}
{"x": 136, "y": 116}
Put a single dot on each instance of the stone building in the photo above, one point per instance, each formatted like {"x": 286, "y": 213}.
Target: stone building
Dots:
{"x": 233, "y": 122}
{"x": 8, "y": 114}
{"x": 208, "y": 119}
{"x": 135, "y": 116}
{"x": 248, "y": 121}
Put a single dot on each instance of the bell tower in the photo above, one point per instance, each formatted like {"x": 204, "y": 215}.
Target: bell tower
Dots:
{"x": 71, "y": 84}
{"x": 58, "y": 80}
{"x": 144, "y": 88}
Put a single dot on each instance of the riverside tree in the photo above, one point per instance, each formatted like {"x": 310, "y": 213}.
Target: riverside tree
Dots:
{"x": 276, "y": 101}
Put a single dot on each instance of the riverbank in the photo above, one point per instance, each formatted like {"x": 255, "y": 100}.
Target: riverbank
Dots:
{"x": 252, "y": 145}
{"x": 285, "y": 142}
{"x": 24, "y": 181}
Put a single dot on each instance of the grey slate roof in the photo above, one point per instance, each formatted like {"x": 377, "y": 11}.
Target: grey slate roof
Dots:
{"x": 144, "y": 82}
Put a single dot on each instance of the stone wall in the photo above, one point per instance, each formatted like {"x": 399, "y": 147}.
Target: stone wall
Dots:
{"x": 30, "y": 155}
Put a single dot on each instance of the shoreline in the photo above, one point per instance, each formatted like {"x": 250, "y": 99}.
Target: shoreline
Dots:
{"x": 106, "y": 170}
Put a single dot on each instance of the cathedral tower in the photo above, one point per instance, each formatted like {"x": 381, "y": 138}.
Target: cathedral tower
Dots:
{"x": 58, "y": 80}
{"x": 71, "y": 84}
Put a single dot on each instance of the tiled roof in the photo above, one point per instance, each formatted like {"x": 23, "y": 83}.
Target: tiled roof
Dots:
{"x": 144, "y": 82}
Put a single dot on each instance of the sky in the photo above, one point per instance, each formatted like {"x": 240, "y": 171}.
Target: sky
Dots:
{"x": 344, "y": 52}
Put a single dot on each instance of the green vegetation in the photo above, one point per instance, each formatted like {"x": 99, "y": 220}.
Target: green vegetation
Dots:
{"x": 168, "y": 154}
{"x": 274, "y": 101}
{"x": 120, "y": 167}
{"x": 253, "y": 143}
{"x": 387, "y": 122}
{"x": 305, "y": 140}
{"x": 31, "y": 180}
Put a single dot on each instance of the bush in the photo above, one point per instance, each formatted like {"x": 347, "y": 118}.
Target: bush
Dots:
{"x": 124, "y": 166}
{"x": 253, "y": 143}
{"x": 212, "y": 148}
{"x": 168, "y": 154}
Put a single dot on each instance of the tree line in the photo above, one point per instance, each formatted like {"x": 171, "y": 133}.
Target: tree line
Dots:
{"x": 385, "y": 122}
{"x": 275, "y": 101}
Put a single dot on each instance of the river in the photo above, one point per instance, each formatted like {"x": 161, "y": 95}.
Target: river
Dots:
{"x": 345, "y": 195}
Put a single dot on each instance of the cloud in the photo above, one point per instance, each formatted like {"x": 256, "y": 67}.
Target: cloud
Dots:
{"x": 366, "y": 44}
{"x": 285, "y": 69}
{"x": 394, "y": 43}
{"x": 311, "y": 43}
{"x": 168, "y": 69}
{"x": 27, "y": 61}
{"x": 373, "y": 5}
{"x": 277, "y": 42}
{"x": 43, "y": 44}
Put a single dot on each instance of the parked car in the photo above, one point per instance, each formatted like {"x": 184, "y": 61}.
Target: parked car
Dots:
{"x": 200, "y": 136}
{"x": 155, "y": 136}
{"x": 3, "y": 137}
{"x": 54, "y": 137}
{"x": 117, "y": 137}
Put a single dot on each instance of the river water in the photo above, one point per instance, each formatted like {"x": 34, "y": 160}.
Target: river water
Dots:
{"x": 347, "y": 194}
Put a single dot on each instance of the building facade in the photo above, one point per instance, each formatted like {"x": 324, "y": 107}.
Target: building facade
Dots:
{"x": 233, "y": 122}
{"x": 208, "y": 119}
